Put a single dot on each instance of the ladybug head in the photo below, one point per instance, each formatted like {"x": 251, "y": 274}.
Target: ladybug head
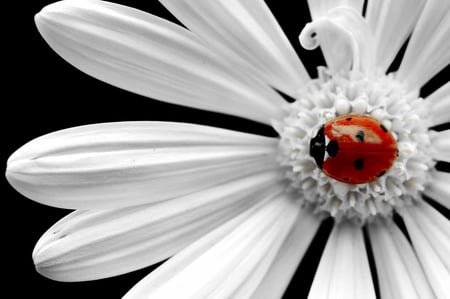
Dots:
{"x": 317, "y": 147}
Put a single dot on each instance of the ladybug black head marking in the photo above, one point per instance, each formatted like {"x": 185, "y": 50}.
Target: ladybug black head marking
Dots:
{"x": 317, "y": 147}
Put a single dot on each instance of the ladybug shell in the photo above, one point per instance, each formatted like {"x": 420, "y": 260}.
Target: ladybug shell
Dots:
{"x": 360, "y": 149}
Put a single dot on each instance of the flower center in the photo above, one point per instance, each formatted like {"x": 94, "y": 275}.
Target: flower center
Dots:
{"x": 377, "y": 106}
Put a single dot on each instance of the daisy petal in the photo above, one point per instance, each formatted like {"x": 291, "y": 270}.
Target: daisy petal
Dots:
{"x": 89, "y": 245}
{"x": 178, "y": 262}
{"x": 217, "y": 268}
{"x": 439, "y": 188}
{"x": 150, "y": 56}
{"x": 345, "y": 38}
{"x": 438, "y": 104}
{"x": 430, "y": 235}
{"x": 385, "y": 15}
{"x": 319, "y": 8}
{"x": 247, "y": 34}
{"x": 428, "y": 50}
{"x": 399, "y": 272}
{"x": 283, "y": 268}
{"x": 130, "y": 163}
{"x": 343, "y": 270}
{"x": 441, "y": 144}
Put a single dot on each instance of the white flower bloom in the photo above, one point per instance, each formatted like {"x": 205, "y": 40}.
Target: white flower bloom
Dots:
{"x": 236, "y": 212}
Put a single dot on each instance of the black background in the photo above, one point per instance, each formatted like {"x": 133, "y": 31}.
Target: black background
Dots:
{"x": 43, "y": 93}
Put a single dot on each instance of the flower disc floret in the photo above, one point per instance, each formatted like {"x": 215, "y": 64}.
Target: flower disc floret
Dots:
{"x": 379, "y": 96}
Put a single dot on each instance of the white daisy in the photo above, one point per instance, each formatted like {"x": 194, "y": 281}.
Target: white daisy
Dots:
{"x": 236, "y": 212}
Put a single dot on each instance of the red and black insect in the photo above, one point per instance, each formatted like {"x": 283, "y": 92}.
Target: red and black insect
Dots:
{"x": 354, "y": 149}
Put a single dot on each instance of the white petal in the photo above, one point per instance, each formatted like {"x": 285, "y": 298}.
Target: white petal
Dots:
{"x": 439, "y": 188}
{"x": 430, "y": 234}
{"x": 441, "y": 145}
{"x": 150, "y": 56}
{"x": 90, "y": 245}
{"x": 246, "y": 33}
{"x": 428, "y": 50}
{"x": 319, "y": 8}
{"x": 343, "y": 271}
{"x": 399, "y": 273}
{"x": 284, "y": 266}
{"x": 130, "y": 163}
{"x": 178, "y": 262}
{"x": 392, "y": 22}
{"x": 438, "y": 104}
{"x": 216, "y": 268}
{"x": 345, "y": 38}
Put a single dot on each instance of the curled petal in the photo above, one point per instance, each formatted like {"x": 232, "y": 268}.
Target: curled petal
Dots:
{"x": 130, "y": 163}
{"x": 344, "y": 37}
{"x": 319, "y": 8}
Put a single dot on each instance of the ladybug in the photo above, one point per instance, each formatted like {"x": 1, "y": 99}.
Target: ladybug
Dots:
{"x": 354, "y": 149}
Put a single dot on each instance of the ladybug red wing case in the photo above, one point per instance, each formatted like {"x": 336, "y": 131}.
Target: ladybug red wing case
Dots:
{"x": 359, "y": 149}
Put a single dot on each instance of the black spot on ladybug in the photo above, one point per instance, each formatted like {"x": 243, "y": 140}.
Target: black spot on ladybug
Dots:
{"x": 359, "y": 164}
{"x": 360, "y": 136}
{"x": 332, "y": 148}
{"x": 383, "y": 128}
{"x": 345, "y": 179}
{"x": 381, "y": 173}
{"x": 348, "y": 118}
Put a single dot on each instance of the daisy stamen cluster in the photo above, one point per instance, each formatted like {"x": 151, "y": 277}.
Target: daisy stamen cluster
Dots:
{"x": 381, "y": 97}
